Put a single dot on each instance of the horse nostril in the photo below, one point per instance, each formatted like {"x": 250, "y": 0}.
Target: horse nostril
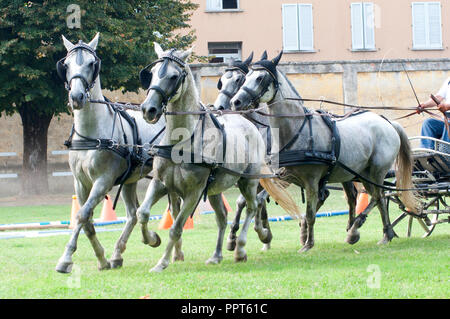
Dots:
{"x": 78, "y": 97}
{"x": 152, "y": 111}
{"x": 237, "y": 102}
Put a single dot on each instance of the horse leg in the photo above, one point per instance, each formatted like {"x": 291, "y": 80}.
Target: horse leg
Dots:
{"x": 84, "y": 220}
{"x": 351, "y": 195}
{"x": 262, "y": 217}
{"x": 155, "y": 191}
{"x": 175, "y": 232}
{"x": 231, "y": 241}
{"x": 388, "y": 230}
{"x": 248, "y": 189}
{"x": 65, "y": 263}
{"x": 221, "y": 219}
{"x": 175, "y": 209}
{"x": 308, "y": 221}
{"x": 130, "y": 198}
{"x": 353, "y": 234}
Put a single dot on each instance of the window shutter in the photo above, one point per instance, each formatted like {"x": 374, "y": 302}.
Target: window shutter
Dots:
{"x": 306, "y": 26}
{"x": 369, "y": 25}
{"x": 419, "y": 25}
{"x": 214, "y": 4}
{"x": 357, "y": 26}
{"x": 290, "y": 27}
{"x": 434, "y": 23}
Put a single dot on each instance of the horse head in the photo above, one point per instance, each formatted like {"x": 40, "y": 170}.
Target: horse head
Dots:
{"x": 260, "y": 86}
{"x": 231, "y": 81}
{"x": 164, "y": 80}
{"x": 79, "y": 70}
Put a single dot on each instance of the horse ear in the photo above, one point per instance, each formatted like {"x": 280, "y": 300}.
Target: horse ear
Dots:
{"x": 69, "y": 45}
{"x": 94, "y": 41}
{"x": 145, "y": 76}
{"x": 278, "y": 58}
{"x": 61, "y": 70}
{"x": 264, "y": 55}
{"x": 159, "y": 51}
{"x": 187, "y": 53}
{"x": 249, "y": 59}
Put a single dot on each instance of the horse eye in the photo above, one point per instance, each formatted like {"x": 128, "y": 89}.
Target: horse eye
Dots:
{"x": 238, "y": 79}
{"x": 259, "y": 78}
{"x": 173, "y": 77}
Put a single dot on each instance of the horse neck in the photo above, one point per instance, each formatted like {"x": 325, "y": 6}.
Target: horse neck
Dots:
{"x": 285, "y": 127}
{"x": 189, "y": 101}
{"x": 94, "y": 119}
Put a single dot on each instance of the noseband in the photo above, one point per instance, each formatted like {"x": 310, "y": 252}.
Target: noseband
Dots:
{"x": 61, "y": 68}
{"x": 265, "y": 83}
{"x": 146, "y": 76}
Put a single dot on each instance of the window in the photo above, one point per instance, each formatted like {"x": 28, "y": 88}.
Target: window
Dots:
{"x": 297, "y": 27}
{"x": 427, "y": 27}
{"x": 363, "y": 26}
{"x": 219, "y": 5}
{"x": 224, "y": 51}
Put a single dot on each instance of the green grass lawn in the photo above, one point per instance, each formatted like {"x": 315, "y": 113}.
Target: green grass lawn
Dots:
{"x": 406, "y": 268}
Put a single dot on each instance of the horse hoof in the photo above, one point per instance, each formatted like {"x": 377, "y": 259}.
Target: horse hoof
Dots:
{"x": 179, "y": 257}
{"x": 64, "y": 267}
{"x": 265, "y": 247}
{"x": 240, "y": 259}
{"x": 158, "y": 268}
{"x": 231, "y": 245}
{"x": 384, "y": 241}
{"x": 267, "y": 239}
{"x": 352, "y": 239}
{"x": 106, "y": 266}
{"x": 117, "y": 263}
{"x": 157, "y": 243}
{"x": 304, "y": 249}
{"x": 214, "y": 261}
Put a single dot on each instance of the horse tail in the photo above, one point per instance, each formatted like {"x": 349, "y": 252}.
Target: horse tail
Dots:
{"x": 403, "y": 172}
{"x": 277, "y": 190}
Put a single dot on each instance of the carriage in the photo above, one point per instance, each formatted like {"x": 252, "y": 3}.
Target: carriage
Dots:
{"x": 431, "y": 174}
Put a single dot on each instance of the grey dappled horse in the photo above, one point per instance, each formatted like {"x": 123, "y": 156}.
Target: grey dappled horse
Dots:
{"x": 172, "y": 90}
{"x": 369, "y": 146}
{"x": 228, "y": 85}
{"x": 95, "y": 171}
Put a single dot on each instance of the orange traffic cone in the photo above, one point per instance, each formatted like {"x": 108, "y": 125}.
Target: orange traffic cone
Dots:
{"x": 167, "y": 221}
{"x": 225, "y": 202}
{"x": 108, "y": 214}
{"x": 362, "y": 202}
{"x": 73, "y": 213}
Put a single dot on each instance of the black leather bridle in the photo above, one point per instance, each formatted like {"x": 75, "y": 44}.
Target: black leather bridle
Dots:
{"x": 145, "y": 76}
{"x": 227, "y": 93}
{"x": 268, "y": 79}
{"x": 61, "y": 68}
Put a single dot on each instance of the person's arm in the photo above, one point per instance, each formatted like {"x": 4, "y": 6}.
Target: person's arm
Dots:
{"x": 431, "y": 103}
{"x": 444, "y": 107}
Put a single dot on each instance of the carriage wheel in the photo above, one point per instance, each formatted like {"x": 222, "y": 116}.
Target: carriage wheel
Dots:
{"x": 428, "y": 224}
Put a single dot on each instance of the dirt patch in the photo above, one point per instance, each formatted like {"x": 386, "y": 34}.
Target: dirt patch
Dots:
{"x": 58, "y": 199}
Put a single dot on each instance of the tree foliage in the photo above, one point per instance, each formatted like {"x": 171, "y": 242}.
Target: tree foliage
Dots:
{"x": 30, "y": 45}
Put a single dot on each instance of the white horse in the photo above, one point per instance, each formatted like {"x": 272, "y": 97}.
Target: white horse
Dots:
{"x": 96, "y": 162}
{"x": 369, "y": 146}
{"x": 214, "y": 156}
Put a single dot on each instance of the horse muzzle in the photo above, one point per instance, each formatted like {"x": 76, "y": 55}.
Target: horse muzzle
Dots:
{"x": 78, "y": 100}
{"x": 151, "y": 113}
